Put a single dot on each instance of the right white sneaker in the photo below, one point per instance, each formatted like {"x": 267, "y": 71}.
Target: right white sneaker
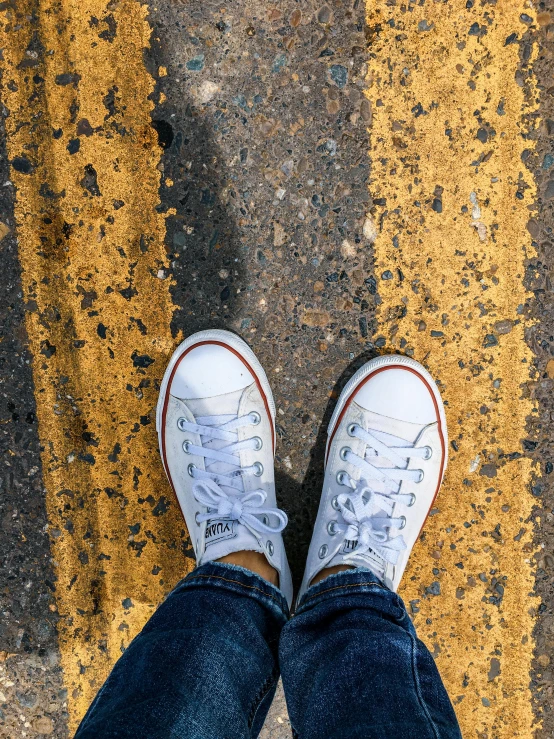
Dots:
{"x": 387, "y": 451}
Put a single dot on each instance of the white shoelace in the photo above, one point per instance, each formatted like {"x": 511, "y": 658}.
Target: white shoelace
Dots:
{"x": 220, "y": 488}
{"x": 367, "y": 510}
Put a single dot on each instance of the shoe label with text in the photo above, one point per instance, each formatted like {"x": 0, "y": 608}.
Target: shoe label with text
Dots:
{"x": 219, "y": 530}
{"x": 349, "y": 546}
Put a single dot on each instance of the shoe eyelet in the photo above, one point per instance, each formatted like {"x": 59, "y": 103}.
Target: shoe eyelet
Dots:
{"x": 259, "y": 471}
{"x": 335, "y": 503}
{"x": 322, "y": 551}
{"x": 180, "y": 423}
{"x": 190, "y": 469}
{"x": 403, "y": 522}
{"x": 255, "y": 417}
{"x": 351, "y": 428}
{"x": 421, "y": 475}
{"x": 428, "y": 452}
{"x": 196, "y": 519}
{"x": 412, "y": 501}
{"x": 341, "y": 477}
{"x": 186, "y": 446}
{"x": 332, "y": 528}
{"x": 265, "y": 519}
{"x": 270, "y": 548}
{"x": 343, "y": 452}
{"x": 259, "y": 443}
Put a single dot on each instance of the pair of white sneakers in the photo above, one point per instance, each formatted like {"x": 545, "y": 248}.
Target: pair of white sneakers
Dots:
{"x": 385, "y": 459}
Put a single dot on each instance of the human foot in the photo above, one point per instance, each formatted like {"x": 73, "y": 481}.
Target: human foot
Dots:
{"x": 254, "y": 561}
{"x": 385, "y": 459}
{"x": 216, "y": 430}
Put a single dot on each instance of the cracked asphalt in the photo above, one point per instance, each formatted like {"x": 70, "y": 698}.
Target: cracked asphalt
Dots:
{"x": 331, "y": 180}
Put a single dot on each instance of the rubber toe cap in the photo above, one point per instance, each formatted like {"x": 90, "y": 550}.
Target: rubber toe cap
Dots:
{"x": 208, "y": 370}
{"x": 398, "y": 393}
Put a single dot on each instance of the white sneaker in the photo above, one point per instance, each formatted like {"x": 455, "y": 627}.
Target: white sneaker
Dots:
{"x": 216, "y": 429}
{"x": 387, "y": 450}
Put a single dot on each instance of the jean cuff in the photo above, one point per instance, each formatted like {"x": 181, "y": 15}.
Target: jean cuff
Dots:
{"x": 347, "y": 582}
{"x": 238, "y": 580}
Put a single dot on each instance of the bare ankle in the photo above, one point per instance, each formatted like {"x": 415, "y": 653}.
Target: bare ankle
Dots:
{"x": 254, "y": 561}
{"x": 330, "y": 571}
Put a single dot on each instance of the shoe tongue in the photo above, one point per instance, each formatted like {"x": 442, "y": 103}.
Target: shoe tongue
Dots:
{"x": 369, "y": 559}
{"x": 400, "y": 434}
{"x": 224, "y": 536}
{"x": 393, "y": 433}
{"x": 218, "y": 405}
{"x": 404, "y": 433}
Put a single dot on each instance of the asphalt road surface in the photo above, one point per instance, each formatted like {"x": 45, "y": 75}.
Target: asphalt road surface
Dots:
{"x": 331, "y": 181}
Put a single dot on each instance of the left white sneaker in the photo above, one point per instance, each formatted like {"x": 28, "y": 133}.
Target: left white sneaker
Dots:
{"x": 216, "y": 429}
{"x": 385, "y": 459}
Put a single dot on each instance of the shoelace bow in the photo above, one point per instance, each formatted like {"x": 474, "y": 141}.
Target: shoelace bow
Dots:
{"x": 222, "y": 493}
{"x": 367, "y": 510}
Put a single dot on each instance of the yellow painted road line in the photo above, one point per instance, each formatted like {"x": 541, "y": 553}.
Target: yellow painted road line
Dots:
{"x": 446, "y": 143}
{"x": 446, "y": 146}
{"x": 91, "y": 249}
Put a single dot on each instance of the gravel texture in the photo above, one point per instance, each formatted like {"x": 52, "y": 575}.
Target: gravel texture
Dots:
{"x": 32, "y": 697}
{"x": 262, "y": 117}
{"x": 264, "y": 121}
{"x": 539, "y": 159}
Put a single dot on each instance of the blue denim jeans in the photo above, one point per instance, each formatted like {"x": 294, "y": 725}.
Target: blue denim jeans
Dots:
{"x": 207, "y": 663}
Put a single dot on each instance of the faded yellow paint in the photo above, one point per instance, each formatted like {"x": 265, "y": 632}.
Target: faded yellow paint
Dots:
{"x": 93, "y": 263}
{"x": 448, "y": 125}
{"x": 92, "y": 254}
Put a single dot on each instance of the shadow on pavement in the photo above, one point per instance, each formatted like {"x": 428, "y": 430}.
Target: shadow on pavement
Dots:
{"x": 262, "y": 117}
{"x": 306, "y": 494}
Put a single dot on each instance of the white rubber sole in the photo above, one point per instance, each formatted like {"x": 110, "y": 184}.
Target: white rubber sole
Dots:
{"x": 223, "y": 337}
{"x": 389, "y": 360}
